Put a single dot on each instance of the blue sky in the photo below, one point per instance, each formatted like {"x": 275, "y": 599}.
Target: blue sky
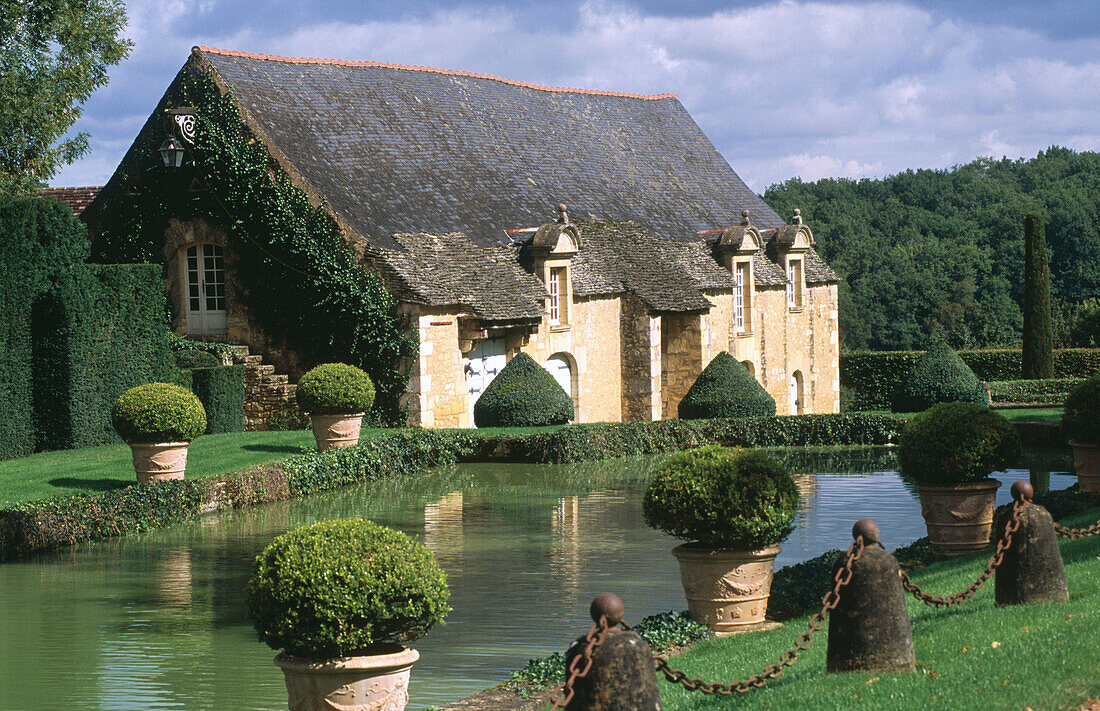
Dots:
{"x": 783, "y": 88}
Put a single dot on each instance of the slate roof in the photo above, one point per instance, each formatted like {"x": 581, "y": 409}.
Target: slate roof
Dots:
{"x": 405, "y": 150}
{"x": 77, "y": 198}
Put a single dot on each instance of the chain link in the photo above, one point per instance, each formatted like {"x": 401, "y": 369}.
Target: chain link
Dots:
{"x": 594, "y": 638}
{"x": 1064, "y": 532}
{"x": 995, "y": 560}
{"x": 757, "y": 681}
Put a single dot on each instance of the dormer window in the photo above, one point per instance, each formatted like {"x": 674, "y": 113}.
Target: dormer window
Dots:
{"x": 559, "y": 289}
{"x": 794, "y": 283}
{"x": 551, "y": 251}
{"x": 742, "y": 296}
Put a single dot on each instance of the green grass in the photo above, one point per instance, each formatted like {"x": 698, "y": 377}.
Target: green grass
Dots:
{"x": 976, "y": 656}
{"x": 1031, "y": 414}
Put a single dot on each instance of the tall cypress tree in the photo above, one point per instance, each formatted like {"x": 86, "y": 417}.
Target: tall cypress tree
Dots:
{"x": 1038, "y": 353}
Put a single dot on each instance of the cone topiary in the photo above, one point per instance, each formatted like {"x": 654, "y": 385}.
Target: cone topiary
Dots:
{"x": 725, "y": 388}
{"x": 939, "y": 376}
{"x": 523, "y": 394}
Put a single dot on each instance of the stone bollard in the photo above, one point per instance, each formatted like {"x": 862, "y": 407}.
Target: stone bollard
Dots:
{"x": 622, "y": 677}
{"x": 1032, "y": 569}
{"x": 869, "y": 629}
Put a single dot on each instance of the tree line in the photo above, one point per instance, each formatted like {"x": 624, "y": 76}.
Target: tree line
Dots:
{"x": 928, "y": 253}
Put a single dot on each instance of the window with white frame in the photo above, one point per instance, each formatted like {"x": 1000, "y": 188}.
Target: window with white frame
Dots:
{"x": 742, "y": 297}
{"x": 794, "y": 283}
{"x": 559, "y": 310}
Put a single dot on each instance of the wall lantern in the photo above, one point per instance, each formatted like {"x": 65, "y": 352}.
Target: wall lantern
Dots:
{"x": 182, "y": 121}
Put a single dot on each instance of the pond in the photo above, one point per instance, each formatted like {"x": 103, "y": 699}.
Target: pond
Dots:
{"x": 156, "y": 621}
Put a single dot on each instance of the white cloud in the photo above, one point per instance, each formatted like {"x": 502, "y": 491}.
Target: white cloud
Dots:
{"x": 786, "y": 88}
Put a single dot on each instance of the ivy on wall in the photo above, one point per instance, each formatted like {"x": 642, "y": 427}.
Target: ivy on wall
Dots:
{"x": 298, "y": 276}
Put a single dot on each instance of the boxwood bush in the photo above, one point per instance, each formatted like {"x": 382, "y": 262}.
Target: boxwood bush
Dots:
{"x": 194, "y": 358}
{"x": 335, "y": 389}
{"x": 939, "y": 376}
{"x": 158, "y": 412}
{"x": 957, "y": 442}
{"x": 725, "y": 388}
{"x": 523, "y": 394}
{"x": 221, "y": 391}
{"x": 336, "y": 588}
{"x": 1081, "y": 418}
{"x": 722, "y": 498}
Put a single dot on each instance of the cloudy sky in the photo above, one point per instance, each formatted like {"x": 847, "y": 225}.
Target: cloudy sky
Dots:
{"x": 783, "y": 88}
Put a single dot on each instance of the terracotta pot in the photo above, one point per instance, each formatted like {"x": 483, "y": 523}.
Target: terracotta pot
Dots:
{"x": 1086, "y": 463}
{"x": 159, "y": 461}
{"x": 333, "y": 431}
{"x": 959, "y": 517}
{"x": 378, "y": 681}
{"x": 727, "y": 588}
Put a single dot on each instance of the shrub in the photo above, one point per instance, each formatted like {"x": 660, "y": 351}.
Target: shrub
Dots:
{"x": 523, "y": 394}
{"x": 939, "y": 376}
{"x": 957, "y": 442}
{"x": 221, "y": 392}
{"x": 158, "y": 412}
{"x": 335, "y": 389}
{"x": 1081, "y": 418}
{"x": 1084, "y": 331}
{"x": 722, "y": 498}
{"x": 1049, "y": 392}
{"x": 335, "y": 588}
{"x": 725, "y": 388}
{"x": 194, "y": 358}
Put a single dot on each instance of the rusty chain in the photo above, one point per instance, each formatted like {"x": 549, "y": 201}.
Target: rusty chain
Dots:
{"x": 757, "y": 681}
{"x": 564, "y": 693}
{"x": 1065, "y": 532}
{"x": 995, "y": 560}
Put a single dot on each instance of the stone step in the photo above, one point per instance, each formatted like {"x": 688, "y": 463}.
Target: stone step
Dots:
{"x": 241, "y": 351}
{"x": 266, "y": 370}
{"x": 276, "y": 379}
{"x": 253, "y": 360}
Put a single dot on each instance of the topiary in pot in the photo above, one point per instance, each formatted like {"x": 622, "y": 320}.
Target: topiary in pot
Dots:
{"x": 940, "y": 375}
{"x": 725, "y": 388}
{"x": 950, "y": 450}
{"x": 158, "y": 421}
{"x": 523, "y": 394}
{"x": 336, "y": 396}
{"x": 732, "y": 506}
{"x": 339, "y": 598}
{"x": 1081, "y": 425}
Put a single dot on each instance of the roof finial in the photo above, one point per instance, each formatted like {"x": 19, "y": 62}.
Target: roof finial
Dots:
{"x": 745, "y": 222}
{"x": 797, "y": 217}
{"x": 563, "y": 216}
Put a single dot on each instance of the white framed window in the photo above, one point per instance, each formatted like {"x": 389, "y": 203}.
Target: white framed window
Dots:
{"x": 559, "y": 310}
{"x": 794, "y": 283}
{"x": 742, "y": 298}
{"x": 204, "y": 269}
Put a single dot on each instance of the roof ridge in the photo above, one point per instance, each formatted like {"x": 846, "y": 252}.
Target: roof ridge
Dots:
{"x": 430, "y": 70}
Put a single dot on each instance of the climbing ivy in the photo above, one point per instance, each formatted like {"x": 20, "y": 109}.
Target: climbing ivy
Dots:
{"x": 299, "y": 277}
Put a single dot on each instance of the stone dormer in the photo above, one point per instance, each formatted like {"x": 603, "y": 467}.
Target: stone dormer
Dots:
{"x": 551, "y": 251}
{"x": 736, "y": 249}
{"x": 792, "y": 243}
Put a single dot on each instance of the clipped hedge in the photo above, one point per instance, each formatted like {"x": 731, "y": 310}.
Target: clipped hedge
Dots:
{"x": 725, "y": 388}
{"x": 195, "y": 358}
{"x": 869, "y": 378}
{"x": 523, "y": 394}
{"x": 221, "y": 391}
{"x": 1042, "y": 392}
{"x": 939, "y": 376}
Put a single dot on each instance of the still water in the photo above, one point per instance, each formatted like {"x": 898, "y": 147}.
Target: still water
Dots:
{"x": 156, "y": 621}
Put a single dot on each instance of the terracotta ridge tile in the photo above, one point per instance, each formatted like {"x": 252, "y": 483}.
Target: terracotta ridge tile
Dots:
{"x": 430, "y": 70}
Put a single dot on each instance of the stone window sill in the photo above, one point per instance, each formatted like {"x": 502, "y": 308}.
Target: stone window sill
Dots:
{"x": 795, "y": 309}
{"x": 559, "y": 327}
{"x": 744, "y": 334}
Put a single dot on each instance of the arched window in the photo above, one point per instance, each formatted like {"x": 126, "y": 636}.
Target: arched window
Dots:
{"x": 749, "y": 367}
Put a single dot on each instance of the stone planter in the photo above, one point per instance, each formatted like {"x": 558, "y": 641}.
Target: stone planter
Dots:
{"x": 332, "y": 431}
{"x": 159, "y": 461}
{"x": 727, "y": 588}
{"x": 1086, "y": 464}
{"x": 959, "y": 517}
{"x": 377, "y": 681}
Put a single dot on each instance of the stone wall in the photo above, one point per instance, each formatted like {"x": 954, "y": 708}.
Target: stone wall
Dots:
{"x": 681, "y": 358}
{"x": 437, "y": 394}
{"x": 640, "y": 333}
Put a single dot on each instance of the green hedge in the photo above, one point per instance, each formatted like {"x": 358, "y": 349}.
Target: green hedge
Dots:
{"x": 1043, "y": 392}
{"x": 38, "y": 237}
{"x": 221, "y": 391}
{"x": 725, "y": 388}
{"x": 101, "y": 330}
{"x": 869, "y": 378}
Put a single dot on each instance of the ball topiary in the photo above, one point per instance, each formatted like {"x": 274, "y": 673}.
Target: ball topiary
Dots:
{"x": 194, "y": 358}
{"x": 337, "y": 588}
{"x": 158, "y": 412}
{"x": 956, "y": 442}
{"x": 725, "y": 388}
{"x": 722, "y": 498}
{"x": 523, "y": 394}
{"x": 940, "y": 375}
{"x": 335, "y": 389}
{"x": 1081, "y": 418}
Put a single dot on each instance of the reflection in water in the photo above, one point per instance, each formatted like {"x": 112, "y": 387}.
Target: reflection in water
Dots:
{"x": 157, "y": 621}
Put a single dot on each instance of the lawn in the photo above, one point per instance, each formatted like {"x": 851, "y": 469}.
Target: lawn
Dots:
{"x": 1029, "y": 414}
{"x": 976, "y": 656}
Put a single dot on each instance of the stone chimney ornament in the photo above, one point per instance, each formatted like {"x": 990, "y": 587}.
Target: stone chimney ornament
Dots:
{"x": 563, "y": 216}
{"x": 745, "y": 222}
{"x": 797, "y": 217}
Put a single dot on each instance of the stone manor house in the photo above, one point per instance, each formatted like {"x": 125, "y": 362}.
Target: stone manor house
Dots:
{"x": 599, "y": 232}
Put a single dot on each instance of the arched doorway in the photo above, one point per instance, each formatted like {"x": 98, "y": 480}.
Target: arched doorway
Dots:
{"x": 797, "y": 395}
{"x": 563, "y": 368}
{"x": 749, "y": 367}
